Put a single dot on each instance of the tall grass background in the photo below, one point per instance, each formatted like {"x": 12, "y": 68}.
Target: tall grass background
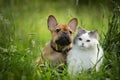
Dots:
{"x": 24, "y": 33}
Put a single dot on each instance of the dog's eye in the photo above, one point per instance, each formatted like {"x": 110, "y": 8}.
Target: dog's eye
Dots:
{"x": 70, "y": 32}
{"x": 87, "y": 40}
{"x": 57, "y": 30}
{"x": 80, "y": 39}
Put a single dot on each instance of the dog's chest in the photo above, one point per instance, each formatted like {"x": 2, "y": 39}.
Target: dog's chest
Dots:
{"x": 57, "y": 58}
{"x": 53, "y": 56}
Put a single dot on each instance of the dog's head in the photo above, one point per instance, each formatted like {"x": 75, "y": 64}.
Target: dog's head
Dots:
{"x": 61, "y": 33}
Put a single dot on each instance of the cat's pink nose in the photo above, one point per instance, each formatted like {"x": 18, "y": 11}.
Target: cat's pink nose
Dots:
{"x": 82, "y": 44}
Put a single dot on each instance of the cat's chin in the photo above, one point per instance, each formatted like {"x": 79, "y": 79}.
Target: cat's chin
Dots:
{"x": 82, "y": 47}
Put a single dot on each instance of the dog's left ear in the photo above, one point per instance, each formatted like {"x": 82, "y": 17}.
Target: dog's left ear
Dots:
{"x": 73, "y": 24}
{"x": 52, "y": 22}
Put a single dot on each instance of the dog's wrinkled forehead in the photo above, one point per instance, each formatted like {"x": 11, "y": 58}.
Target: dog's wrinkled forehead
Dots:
{"x": 63, "y": 27}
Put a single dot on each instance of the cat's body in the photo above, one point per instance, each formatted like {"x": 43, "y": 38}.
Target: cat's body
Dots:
{"x": 86, "y": 52}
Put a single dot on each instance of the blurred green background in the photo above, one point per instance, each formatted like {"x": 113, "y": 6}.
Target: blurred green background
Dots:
{"x": 23, "y": 31}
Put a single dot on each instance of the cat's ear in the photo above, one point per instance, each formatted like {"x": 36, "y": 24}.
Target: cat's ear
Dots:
{"x": 52, "y": 22}
{"x": 73, "y": 24}
{"x": 94, "y": 34}
{"x": 81, "y": 31}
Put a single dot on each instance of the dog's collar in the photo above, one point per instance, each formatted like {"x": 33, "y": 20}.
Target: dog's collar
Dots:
{"x": 60, "y": 51}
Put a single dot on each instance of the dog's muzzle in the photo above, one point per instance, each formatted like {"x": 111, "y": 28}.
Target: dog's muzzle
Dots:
{"x": 64, "y": 39}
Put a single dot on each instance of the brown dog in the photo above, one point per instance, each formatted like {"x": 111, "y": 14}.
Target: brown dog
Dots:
{"x": 56, "y": 50}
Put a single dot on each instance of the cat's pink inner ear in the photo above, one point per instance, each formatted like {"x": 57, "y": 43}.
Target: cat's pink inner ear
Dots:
{"x": 52, "y": 22}
{"x": 73, "y": 24}
{"x": 94, "y": 34}
{"x": 81, "y": 31}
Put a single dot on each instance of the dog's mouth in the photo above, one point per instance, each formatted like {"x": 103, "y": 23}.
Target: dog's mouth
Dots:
{"x": 64, "y": 40}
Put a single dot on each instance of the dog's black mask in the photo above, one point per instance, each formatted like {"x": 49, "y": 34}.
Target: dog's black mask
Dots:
{"x": 63, "y": 40}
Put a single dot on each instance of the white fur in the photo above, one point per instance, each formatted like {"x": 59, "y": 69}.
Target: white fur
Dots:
{"x": 84, "y": 57}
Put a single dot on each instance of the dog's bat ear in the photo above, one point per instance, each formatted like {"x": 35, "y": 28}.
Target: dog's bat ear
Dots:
{"x": 73, "y": 24}
{"x": 52, "y": 22}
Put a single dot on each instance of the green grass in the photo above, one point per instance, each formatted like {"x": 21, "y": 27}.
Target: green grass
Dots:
{"x": 24, "y": 33}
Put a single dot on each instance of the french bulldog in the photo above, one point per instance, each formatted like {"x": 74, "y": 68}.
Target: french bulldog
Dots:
{"x": 61, "y": 42}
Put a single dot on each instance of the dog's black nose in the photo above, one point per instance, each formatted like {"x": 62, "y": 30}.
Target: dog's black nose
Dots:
{"x": 64, "y": 39}
{"x": 64, "y": 32}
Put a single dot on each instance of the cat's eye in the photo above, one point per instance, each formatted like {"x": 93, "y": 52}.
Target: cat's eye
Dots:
{"x": 80, "y": 39}
{"x": 87, "y": 40}
{"x": 70, "y": 32}
{"x": 58, "y": 30}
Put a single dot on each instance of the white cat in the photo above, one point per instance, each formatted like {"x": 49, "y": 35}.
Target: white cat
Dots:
{"x": 86, "y": 52}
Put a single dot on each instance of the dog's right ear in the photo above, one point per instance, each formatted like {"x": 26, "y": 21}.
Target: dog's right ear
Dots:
{"x": 52, "y": 22}
{"x": 73, "y": 24}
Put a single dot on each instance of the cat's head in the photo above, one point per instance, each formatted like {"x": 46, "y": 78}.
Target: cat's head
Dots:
{"x": 86, "y": 39}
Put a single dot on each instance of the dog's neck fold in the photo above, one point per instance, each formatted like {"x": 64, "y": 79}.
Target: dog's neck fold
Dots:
{"x": 60, "y": 49}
